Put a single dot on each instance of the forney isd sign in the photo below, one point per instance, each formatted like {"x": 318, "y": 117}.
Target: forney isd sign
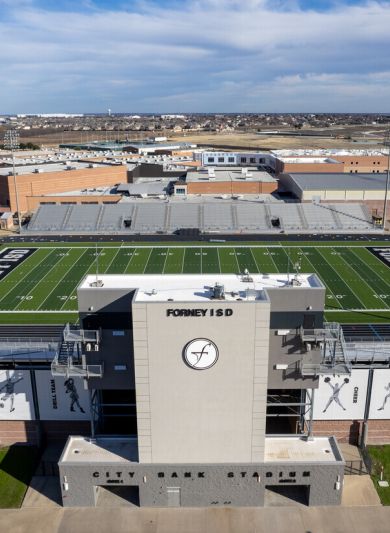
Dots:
{"x": 198, "y": 312}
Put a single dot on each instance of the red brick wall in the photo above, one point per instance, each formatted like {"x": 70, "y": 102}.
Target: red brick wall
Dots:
{"x": 30, "y": 185}
{"x": 343, "y": 430}
{"x": 351, "y": 430}
{"x": 31, "y": 431}
{"x": 19, "y": 431}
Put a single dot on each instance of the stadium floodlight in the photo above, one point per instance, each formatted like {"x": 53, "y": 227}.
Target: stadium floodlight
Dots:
{"x": 11, "y": 142}
{"x": 386, "y": 143}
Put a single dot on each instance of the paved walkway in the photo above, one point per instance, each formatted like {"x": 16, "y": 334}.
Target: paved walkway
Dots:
{"x": 226, "y": 520}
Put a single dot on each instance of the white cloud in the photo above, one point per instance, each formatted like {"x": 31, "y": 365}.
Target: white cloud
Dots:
{"x": 205, "y": 54}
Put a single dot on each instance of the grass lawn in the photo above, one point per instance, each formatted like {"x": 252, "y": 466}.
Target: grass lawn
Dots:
{"x": 380, "y": 456}
{"x": 17, "y": 465}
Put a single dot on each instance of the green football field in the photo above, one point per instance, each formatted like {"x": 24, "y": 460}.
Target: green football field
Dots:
{"x": 46, "y": 282}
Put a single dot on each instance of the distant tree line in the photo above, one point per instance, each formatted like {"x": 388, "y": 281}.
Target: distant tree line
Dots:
{"x": 25, "y": 146}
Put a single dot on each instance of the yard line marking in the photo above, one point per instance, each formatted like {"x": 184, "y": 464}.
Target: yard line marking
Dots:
{"x": 272, "y": 259}
{"x": 360, "y": 277}
{"x": 147, "y": 261}
{"x": 329, "y": 290}
{"x": 14, "y": 285}
{"x": 219, "y": 261}
{"x": 85, "y": 271}
{"x": 112, "y": 260}
{"x": 60, "y": 281}
{"x": 334, "y": 270}
{"x": 368, "y": 265}
{"x": 41, "y": 280}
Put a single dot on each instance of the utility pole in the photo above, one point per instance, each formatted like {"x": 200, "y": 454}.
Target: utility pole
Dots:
{"x": 386, "y": 143}
{"x": 11, "y": 142}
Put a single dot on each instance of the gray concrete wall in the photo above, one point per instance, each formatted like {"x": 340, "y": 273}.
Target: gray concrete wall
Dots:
{"x": 102, "y": 299}
{"x": 288, "y": 307}
{"x": 201, "y": 485}
{"x": 114, "y": 352}
{"x": 214, "y": 415}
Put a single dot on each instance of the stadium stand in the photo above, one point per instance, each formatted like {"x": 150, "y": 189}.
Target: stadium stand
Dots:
{"x": 252, "y": 217}
{"x": 224, "y": 217}
{"x": 218, "y": 217}
{"x": 187, "y": 214}
{"x": 116, "y": 217}
{"x": 150, "y": 218}
{"x": 291, "y": 217}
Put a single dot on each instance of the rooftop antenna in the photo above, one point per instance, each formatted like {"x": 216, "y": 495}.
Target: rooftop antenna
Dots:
{"x": 97, "y": 262}
{"x": 98, "y": 282}
{"x": 297, "y": 268}
{"x": 11, "y": 142}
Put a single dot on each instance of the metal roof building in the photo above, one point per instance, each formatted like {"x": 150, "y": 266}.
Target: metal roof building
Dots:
{"x": 335, "y": 187}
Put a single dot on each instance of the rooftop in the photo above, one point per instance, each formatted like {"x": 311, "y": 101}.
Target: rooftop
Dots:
{"x": 229, "y": 174}
{"x": 327, "y": 152}
{"x": 39, "y": 168}
{"x": 277, "y": 449}
{"x": 296, "y": 449}
{"x": 199, "y": 287}
{"x": 106, "y": 450}
{"x": 340, "y": 181}
{"x": 308, "y": 160}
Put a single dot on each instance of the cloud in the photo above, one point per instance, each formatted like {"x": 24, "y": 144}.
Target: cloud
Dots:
{"x": 198, "y": 55}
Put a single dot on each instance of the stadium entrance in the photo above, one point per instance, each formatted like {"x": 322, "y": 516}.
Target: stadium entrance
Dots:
{"x": 107, "y": 496}
{"x": 286, "y": 496}
{"x": 286, "y": 410}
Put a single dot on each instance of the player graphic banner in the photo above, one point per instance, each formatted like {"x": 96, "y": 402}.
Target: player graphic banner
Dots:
{"x": 16, "y": 399}
{"x": 61, "y": 398}
{"x": 380, "y": 395}
{"x": 341, "y": 397}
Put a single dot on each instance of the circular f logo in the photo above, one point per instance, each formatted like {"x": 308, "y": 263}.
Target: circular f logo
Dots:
{"x": 200, "y": 354}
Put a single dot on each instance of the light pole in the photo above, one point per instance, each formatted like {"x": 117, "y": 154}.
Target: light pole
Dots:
{"x": 386, "y": 143}
{"x": 11, "y": 142}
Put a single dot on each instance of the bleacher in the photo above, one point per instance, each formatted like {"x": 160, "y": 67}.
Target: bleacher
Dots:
{"x": 50, "y": 217}
{"x": 150, "y": 218}
{"x": 289, "y": 215}
{"x": 116, "y": 218}
{"x": 319, "y": 218}
{"x": 351, "y": 216}
{"x": 82, "y": 218}
{"x": 230, "y": 217}
{"x": 188, "y": 213}
{"x": 252, "y": 217}
{"x": 218, "y": 217}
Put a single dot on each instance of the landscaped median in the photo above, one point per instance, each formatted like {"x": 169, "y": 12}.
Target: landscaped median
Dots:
{"x": 380, "y": 470}
{"x": 17, "y": 465}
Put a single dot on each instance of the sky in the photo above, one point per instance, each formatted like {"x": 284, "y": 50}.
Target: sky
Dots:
{"x": 182, "y": 56}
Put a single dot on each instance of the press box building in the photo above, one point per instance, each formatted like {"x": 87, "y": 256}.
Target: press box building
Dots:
{"x": 203, "y": 357}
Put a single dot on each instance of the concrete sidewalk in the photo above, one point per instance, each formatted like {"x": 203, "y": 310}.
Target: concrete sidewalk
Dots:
{"x": 223, "y": 520}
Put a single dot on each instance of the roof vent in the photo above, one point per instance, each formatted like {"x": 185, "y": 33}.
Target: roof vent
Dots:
{"x": 218, "y": 292}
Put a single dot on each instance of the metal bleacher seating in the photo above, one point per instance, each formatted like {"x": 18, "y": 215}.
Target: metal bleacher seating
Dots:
{"x": 224, "y": 217}
{"x": 352, "y": 217}
{"x": 150, "y": 218}
{"x": 252, "y": 217}
{"x": 319, "y": 218}
{"x": 184, "y": 216}
{"x": 83, "y": 218}
{"x": 289, "y": 216}
{"x": 113, "y": 216}
{"x": 218, "y": 217}
{"x": 49, "y": 218}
